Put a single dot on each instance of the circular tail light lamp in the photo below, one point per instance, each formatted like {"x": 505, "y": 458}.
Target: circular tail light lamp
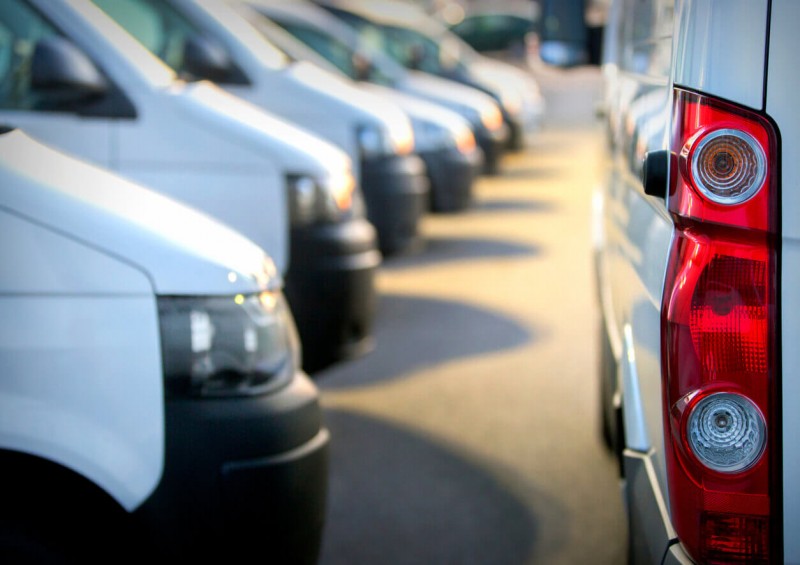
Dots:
{"x": 727, "y": 432}
{"x": 729, "y": 166}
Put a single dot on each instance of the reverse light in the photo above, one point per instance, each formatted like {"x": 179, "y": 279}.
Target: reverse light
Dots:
{"x": 719, "y": 323}
{"x": 726, "y": 432}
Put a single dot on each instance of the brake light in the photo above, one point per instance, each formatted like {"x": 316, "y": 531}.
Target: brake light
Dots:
{"x": 719, "y": 320}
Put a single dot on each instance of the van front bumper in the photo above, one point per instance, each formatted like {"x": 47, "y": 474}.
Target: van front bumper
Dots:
{"x": 516, "y": 131}
{"x": 242, "y": 476}
{"x": 494, "y": 144}
{"x": 396, "y": 194}
{"x": 330, "y": 286}
{"x": 452, "y": 174}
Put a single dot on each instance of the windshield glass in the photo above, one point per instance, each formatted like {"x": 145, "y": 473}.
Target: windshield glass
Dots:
{"x": 270, "y": 53}
{"x": 441, "y": 53}
{"x": 163, "y": 30}
{"x": 156, "y": 25}
{"x": 355, "y": 59}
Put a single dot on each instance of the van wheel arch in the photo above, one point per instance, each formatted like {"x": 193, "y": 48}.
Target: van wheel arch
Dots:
{"x": 50, "y": 514}
{"x": 611, "y": 402}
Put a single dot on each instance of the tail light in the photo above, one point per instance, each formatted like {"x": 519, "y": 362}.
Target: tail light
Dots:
{"x": 719, "y": 320}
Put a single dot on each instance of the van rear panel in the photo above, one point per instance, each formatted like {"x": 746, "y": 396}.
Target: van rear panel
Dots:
{"x": 783, "y": 85}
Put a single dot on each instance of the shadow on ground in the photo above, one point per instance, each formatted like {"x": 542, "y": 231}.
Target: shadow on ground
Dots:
{"x": 397, "y": 497}
{"x": 440, "y": 250}
{"x": 413, "y": 333}
{"x": 506, "y": 205}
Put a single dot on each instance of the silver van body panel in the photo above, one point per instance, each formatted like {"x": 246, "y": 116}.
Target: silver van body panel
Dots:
{"x": 718, "y": 43}
{"x": 743, "y": 51}
{"x": 783, "y": 85}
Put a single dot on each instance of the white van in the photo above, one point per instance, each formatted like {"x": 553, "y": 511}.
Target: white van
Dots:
{"x": 698, "y": 270}
{"x": 151, "y": 400}
{"x": 443, "y": 138}
{"x": 73, "y": 78}
{"x": 419, "y": 41}
{"x": 342, "y": 46}
{"x": 211, "y": 39}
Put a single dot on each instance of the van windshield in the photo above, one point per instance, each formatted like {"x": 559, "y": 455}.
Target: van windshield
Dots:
{"x": 162, "y": 28}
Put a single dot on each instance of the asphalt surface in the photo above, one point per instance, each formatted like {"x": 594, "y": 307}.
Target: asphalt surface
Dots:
{"x": 470, "y": 435}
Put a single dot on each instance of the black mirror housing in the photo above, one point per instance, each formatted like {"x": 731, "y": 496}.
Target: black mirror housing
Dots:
{"x": 204, "y": 58}
{"x": 58, "y": 66}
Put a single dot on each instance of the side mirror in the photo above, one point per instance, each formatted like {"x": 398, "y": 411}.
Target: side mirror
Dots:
{"x": 416, "y": 56}
{"x": 206, "y": 59}
{"x": 61, "y": 69}
{"x": 362, "y": 67}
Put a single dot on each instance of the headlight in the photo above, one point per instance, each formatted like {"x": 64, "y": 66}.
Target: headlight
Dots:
{"x": 431, "y": 136}
{"x": 472, "y": 115}
{"x": 488, "y": 117}
{"x": 492, "y": 118}
{"x": 227, "y": 346}
{"x": 375, "y": 141}
{"x": 511, "y": 101}
{"x": 327, "y": 199}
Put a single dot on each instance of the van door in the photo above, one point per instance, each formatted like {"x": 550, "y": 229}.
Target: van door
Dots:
{"x": 75, "y": 107}
{"x": 637, "y": 231}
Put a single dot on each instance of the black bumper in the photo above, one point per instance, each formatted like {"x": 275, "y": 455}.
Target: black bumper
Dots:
{"x": 242, "y": 476}
{"x": 330, "y": 286}
{"x": 451, "y": 175}
{"x": 494, "y": 144}
{"x": 516, "y": 132}
{"x": 396, "y": 194}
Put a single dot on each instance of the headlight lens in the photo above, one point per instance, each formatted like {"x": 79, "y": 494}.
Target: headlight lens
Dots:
{"x": 376, "y": 141}
{"x": 431, "y": 136}
{"x": 488, "y": 117}
{"x": 227, "y": 346}
{"x": 511, "y": 101}
{"x": 492, "y": 118}
{"x": 329, "y": 199}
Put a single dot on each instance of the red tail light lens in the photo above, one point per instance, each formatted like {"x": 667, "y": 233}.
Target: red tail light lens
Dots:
{"x": 718, "y": 334}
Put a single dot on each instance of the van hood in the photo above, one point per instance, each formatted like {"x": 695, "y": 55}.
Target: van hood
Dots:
{"x": 511, "y": 83}
{"x": 181, "y": 251}
{"x": 316, "y": 91}
{"x": 318, "y": 80}
{"x": 419, "y": 109}
{"x": 446, "y": 92}
{"x": 256, "y": 130}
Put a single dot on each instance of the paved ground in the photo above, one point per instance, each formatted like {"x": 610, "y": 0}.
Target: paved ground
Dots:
{"x": 470, "y": 436}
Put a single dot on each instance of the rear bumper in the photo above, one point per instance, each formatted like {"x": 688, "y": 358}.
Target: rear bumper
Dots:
{"x": 451, "y": 175}
{"x": 330, "y": 287}
{"x": 396, "y": 194}
{"x": 650, "y": 530}
{"x": 242, "y": 475}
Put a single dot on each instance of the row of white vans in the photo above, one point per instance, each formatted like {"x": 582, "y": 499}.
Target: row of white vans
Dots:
{"x": 151, "y": 370}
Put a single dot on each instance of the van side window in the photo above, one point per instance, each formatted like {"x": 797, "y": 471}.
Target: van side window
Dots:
{"x": 21, "y": 28}
{"x": 165, "y": 32}
{"x": 334, "y": 51}
{"x": 162, "y": 31}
